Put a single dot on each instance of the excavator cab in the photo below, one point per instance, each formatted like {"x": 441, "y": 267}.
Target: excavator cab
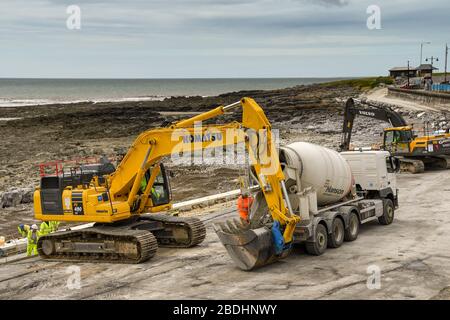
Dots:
{"x": 160, "y": 193}
{"x": 397, "y": 140}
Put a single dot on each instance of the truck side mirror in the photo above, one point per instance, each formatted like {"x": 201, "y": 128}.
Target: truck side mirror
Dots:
{"x": 395, "y": 164}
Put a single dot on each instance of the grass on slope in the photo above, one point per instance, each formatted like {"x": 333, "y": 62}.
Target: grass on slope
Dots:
{"x": 360, "y": 83}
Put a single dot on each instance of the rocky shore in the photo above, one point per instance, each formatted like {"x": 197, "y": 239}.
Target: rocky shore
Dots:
{"x": 40, "y": 134}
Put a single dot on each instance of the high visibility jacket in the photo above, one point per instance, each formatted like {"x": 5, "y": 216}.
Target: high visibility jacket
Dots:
{"x": 155, "y": 194}
{"x": 32, "y": 240}
{"x": 45, "y": 228}
{"x": 54, "y": 225}
{"x": 23, "y": 232}
{"x": 143, "y": 184}
{"x": 32, "y": 250}
{"x": 243, "y": 205}
{"x": 33, "y": 237}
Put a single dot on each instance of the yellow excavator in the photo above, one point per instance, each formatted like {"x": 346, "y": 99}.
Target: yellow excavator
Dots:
{"x": 416, "y": 153}
{"x": 126, "y": 202}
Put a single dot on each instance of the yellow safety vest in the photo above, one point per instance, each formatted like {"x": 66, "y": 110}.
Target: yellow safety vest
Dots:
{"x": 33, "y": 237}
{"x": 45, "y": 228}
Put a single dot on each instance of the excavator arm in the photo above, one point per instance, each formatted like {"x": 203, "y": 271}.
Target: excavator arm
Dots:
{"x": 189, "y": 136}
{"x": 371, "y": 111}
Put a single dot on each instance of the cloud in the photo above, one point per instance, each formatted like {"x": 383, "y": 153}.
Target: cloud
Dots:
{"x": 337, "y": 3}
{"x": 190, "y": 37}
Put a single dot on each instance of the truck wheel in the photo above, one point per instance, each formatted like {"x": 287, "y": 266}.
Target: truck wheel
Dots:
{"x": 319, "y": 246}
{"x": 353, "y": 228}
{"x": 388, "y": 212}
{"x": 336, "y": 237}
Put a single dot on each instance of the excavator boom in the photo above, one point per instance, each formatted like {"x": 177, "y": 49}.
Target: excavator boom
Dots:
{"x": 371, "y": 111}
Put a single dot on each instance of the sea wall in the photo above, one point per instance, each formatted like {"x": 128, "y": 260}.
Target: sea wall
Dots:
{"x": 428, "y": 97}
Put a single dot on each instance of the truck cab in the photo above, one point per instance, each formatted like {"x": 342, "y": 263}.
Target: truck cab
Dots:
{"x": 374, "y": 173}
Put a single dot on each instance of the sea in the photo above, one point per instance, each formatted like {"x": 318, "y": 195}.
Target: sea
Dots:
{"x": 27, "y": 92}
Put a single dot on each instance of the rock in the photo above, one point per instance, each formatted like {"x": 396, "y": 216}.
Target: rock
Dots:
{"x": 15, "y": 196}
{"x": 11, "y": 198}
{"x": 98, "y": 151}
{"x": 3, "y": 173}
{"x": 82, "y": 152}
{"x": 27, "y": 195}
{"x": 417, "y": 265}
{"x": 327, "y": 131}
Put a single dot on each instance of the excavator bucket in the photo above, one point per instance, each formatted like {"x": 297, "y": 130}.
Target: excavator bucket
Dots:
{"x": 249, "y": 248}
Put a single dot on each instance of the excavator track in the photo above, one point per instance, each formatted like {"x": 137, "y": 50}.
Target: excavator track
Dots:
{"x": 441, "y": 162}
{"x": 178, "y": 232}
{"x": 99, "y": 244}
{"x": 412, "y": 165}
{"x": 128, "y": 243}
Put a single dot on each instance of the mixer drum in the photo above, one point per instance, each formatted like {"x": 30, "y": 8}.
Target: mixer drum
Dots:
{"x": 323, "y": 169}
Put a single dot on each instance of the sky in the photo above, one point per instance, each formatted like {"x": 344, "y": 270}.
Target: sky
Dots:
{"x": 217, "y": 38}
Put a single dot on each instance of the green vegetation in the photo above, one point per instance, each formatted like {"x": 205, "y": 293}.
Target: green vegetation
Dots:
{"x": 360, "y": 83}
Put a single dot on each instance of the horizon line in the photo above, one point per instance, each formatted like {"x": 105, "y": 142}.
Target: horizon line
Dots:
{"x": 182, "y": 78}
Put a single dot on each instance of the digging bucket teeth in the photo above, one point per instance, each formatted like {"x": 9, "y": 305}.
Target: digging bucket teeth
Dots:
{"x": 249, "y": 248}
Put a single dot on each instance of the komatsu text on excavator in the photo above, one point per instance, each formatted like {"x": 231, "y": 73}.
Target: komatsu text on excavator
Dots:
{"x": 124, "y": 203}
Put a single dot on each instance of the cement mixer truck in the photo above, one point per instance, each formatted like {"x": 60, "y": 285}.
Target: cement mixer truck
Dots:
{"x": 332, "y": 193}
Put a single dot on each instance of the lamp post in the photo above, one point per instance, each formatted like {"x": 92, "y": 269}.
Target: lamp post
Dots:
{"x": 408, "y": 74}
{"x": 421, "y": 49}
{"x": 446, "y": 57}
{"x": 432, "y": 58}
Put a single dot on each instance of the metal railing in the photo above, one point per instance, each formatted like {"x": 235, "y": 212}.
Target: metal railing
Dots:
{"x": 441, "y": 87}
